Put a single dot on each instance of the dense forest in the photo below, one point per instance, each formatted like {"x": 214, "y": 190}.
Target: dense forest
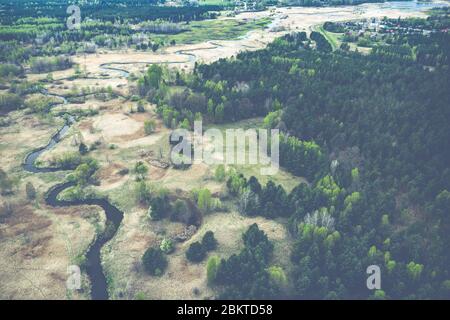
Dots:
{"x": 106, "y": 10}
{"x": 371, "y": 135}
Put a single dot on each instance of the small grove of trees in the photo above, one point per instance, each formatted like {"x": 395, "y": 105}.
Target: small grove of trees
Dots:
{"x": 39, "y": 104}
{"x": 321, "y": 42}
{"x": 154, "y": 261}
{"x": 253, "y": 199}
{"x": 245, "y": 275}
{"x": 302, "y": 158}
{"x": 40, "y": 65}
{"x": 197, "y": 250}
{"x": 10, "y": 102}
{"x": 10, "y": 70}
{"x": 205, "y": 202}
{"x": 160, "y": 205}
{"x": 67, "y": 160}
{"x": 83, "y": 173}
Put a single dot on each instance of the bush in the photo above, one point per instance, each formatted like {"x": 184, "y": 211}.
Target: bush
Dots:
{"x": 180, "y": 211}
{"x": 30, "y": 191}
{"x": 209, "y": 242}
{"x": 6, "y": 183}
{"x": 154, "y": 261}
{"x": 68, "y": 160}
{"x": 219, "y": 173}
{"x": 166, "y": 246}
{"x": 204, "y": 200}
{"x": 196, "y": 252}
{"x": 149, "y": 126}
{"x": 9, "y": 102}
{"x": 6, "y": 210}
{"x": 140, "y": 107}
{"x": 211, "y": 269}
{"x": 160, "y": 207}
{"x": 83, "y": 149}
{"x": 142, "y": 193}
{"x": 141, "y": 170}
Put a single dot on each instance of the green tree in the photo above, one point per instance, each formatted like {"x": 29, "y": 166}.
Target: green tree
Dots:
{"x": 142, "y": 192}
{"x": 219, "y": 113}
{"x": 154, "y": 261}
{"x": 204, "y": 200}
{"x": 211, "y": 269}
{"x": 196, "y": 252}
{"x": 159, "y": 207}
{"x": 208, "y": 241}
{"x": 83, "y": 149}
{"x": 6, "y": 183}
{"x": 149, "y": 126}
{"x": 84, "y": 171}
{"x": 219, "y": 173}
{"x": 166, "y": 246}
{"x": 30, "y": 191}
{"x": 278, "y": 276}
{"x": 140, "y": 170}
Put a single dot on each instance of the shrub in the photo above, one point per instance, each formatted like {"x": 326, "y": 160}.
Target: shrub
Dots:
{"x": 204, "y": 200}
{"x": 219, "y": 173}
{"x": 166, "y": 246}
{"x": 68, "y": 160}
{"x": 140, "y": 169}
{"x": 160, "y": 207}
{"x": 209, "y": 242}
{"x": 30, "y": 191}
{"x": 149, "y": 126}
{"x": 277, "y": 275}
{"x": 140, "y": 107}
{"x": 6, "y": 183}
{"x": 154, "y": 261}
{"x": 142, "y": 193}
{"x": 6, "y": 210}
{"x": 180, "y": 210}
{"x": 9, "y": 102}
{"x": 83, "y": 149}
{"x": 196, "y": 252}
{"x": 211, "y": 269}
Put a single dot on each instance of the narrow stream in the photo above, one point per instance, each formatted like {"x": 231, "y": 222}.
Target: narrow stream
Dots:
{"x": 94, "y": 270}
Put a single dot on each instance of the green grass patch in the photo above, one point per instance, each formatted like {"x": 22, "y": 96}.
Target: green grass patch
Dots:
{"x": 333, "y": 38}
{"x": 218, "y": 29}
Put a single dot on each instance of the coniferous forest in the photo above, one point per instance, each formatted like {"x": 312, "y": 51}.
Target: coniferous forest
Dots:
{"x": 371, "y": 135}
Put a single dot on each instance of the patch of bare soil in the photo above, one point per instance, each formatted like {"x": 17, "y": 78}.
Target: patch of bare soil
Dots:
{"x": 112, "y": 175}
{"x": 37, "y": 246}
